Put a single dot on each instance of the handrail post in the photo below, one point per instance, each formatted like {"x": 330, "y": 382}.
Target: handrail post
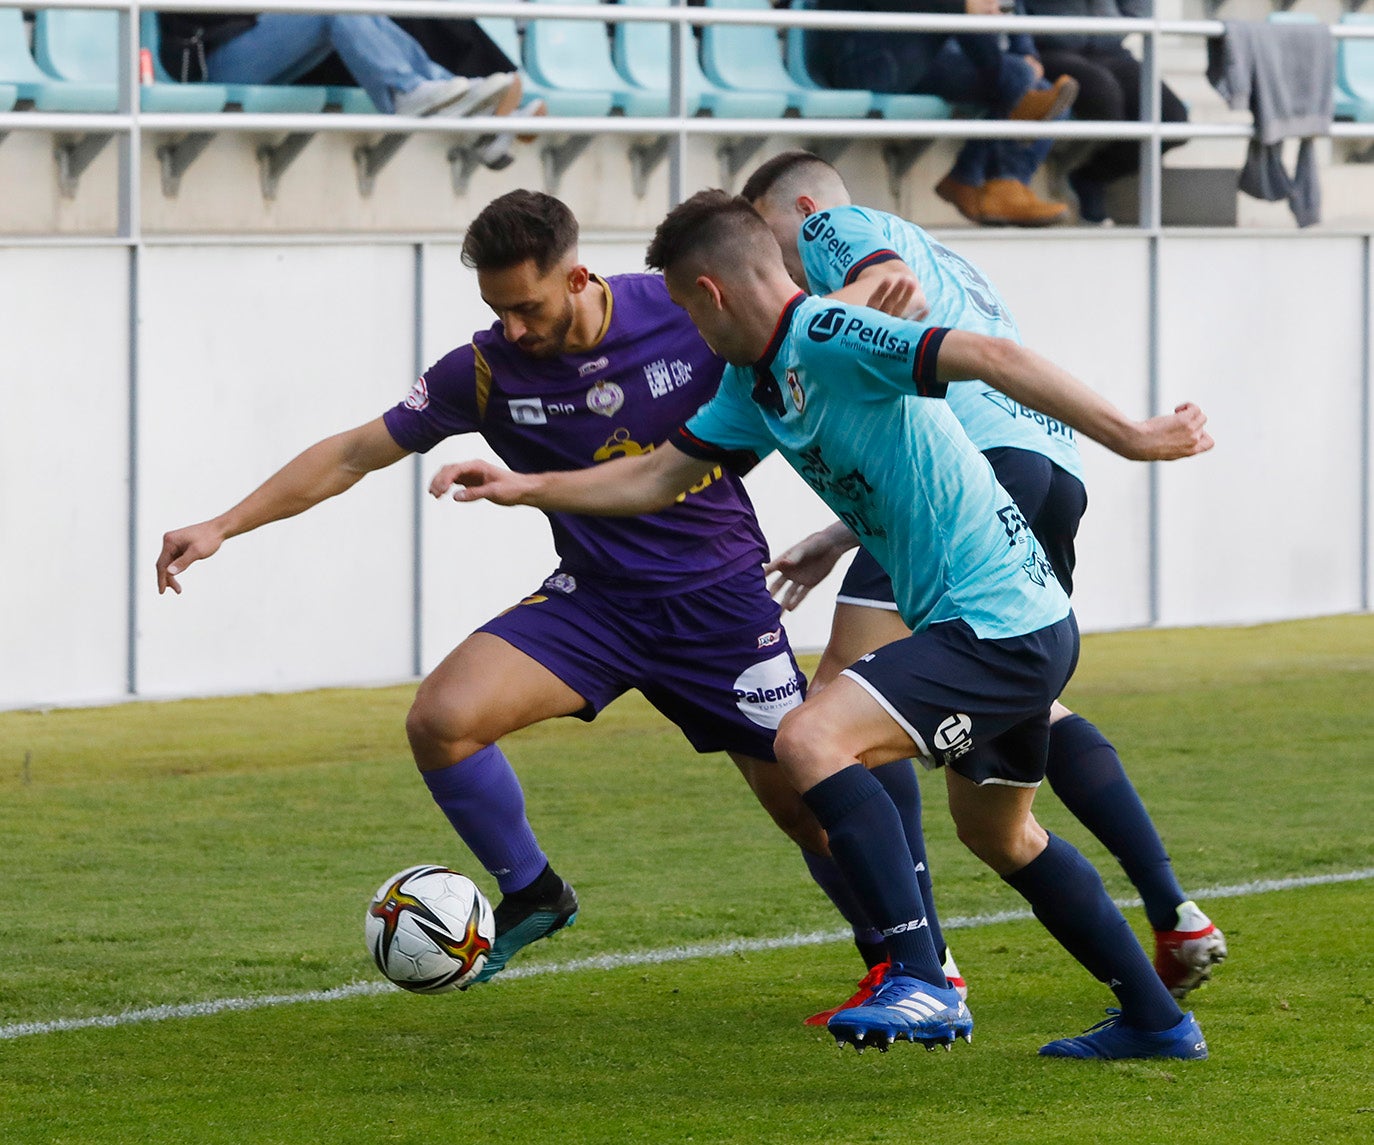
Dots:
{"x": 127, "y": 81}
{"x": 681, "y": 40}
{"x": 1151, "y": 154}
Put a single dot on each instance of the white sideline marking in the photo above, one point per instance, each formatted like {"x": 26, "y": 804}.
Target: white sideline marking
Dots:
{"x": 615, "y": 961}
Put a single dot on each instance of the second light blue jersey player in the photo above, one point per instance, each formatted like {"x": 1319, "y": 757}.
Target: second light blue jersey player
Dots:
{"x": 828, "y": 392}
{"x": 839, "y": 243}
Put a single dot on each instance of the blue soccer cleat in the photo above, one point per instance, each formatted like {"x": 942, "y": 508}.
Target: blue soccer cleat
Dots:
{"x": 904, "y": 1008}
{"x": 1113, "y": 1040}
{"x": 518, "y": 923}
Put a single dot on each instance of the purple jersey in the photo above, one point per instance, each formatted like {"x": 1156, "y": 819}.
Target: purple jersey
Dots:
{"x": 646, "y": 375}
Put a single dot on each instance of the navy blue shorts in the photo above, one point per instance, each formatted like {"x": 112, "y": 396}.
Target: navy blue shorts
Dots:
{"x": 980, "y": 707}
{"x": 716, "y": 661}
{"x": 1051, "y": 499}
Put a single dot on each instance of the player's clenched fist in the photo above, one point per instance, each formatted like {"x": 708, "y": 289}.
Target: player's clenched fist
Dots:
{"x": 1172, "y": 436}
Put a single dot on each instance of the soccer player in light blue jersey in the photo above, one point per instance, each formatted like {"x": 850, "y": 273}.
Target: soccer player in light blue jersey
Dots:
{"x": 830, "y": 245}
{"x": 853, "y": 399}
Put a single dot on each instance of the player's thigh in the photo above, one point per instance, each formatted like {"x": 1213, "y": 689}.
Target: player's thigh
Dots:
{"x": 485, "y": 689}
{"x": 782, "y": 802}
{"x": 839, "y": 726}
{"x": 995, "y": 822}
{"x": 856, "y": 630}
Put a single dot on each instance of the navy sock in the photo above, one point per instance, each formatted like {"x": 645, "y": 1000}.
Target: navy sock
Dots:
{"x": 1070, "y": 901}
{"x": 1086, "y": 773}
{"x": 869, "y": 847}
{"x": 826, "y": 872}
{"x": 483, "y": 800}
{"x": 899, "y": 781}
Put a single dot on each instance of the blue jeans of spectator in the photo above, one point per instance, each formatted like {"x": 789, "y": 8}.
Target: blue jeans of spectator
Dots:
{"x": 281, "y": 48}
{"x": 967, "y": 69}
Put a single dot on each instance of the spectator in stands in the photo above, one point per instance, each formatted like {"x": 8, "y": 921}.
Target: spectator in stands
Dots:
{"x": 1108, "y": 89}
{"x": 280, "y": 47}
{"x": 988, "y": 183}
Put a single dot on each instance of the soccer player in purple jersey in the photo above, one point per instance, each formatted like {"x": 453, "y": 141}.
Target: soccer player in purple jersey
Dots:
{"x": 576, "y": 370}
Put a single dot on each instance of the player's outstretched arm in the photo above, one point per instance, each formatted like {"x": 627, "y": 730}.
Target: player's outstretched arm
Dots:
{"x": 802, "y": 567}
{"x": 1037, "y": 382}
{"x": 324, "y": 470}
{"x": 625, "y": 487}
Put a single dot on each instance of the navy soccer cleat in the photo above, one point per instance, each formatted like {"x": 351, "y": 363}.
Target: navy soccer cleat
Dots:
{"x": 1113, "y": 1040}
{"x": 904, "y": 1008}
{"x": 519, "y": 922}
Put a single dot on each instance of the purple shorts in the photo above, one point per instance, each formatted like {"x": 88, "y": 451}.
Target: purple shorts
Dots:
{"x": 980, "y": 707}
{"x": 716, "y": 660}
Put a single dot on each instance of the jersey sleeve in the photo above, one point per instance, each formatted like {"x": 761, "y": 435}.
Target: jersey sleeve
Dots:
{"x": 728, "y": 428}
{"x": 441, "y": 403}
{"x": 872, "y": 355}
{"x": 838, "y": 245}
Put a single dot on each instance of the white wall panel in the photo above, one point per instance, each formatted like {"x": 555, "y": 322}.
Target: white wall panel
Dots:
{"x": 250, "y": 354}
{"x": 1266, "y": 335}
{"x": 64, "y": 499}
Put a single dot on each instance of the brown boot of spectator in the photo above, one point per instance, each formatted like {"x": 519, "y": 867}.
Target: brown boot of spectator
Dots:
{"x": 964, "y": 197}
{"x": 1049, "y": 103}
{"x": 1007, "y": 202}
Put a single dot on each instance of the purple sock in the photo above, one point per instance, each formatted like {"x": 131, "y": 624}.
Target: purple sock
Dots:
{"x": 482, "y": 798}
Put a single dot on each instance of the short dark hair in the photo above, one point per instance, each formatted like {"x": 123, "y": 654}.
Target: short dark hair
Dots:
{"x": 517, "y": 227}
{"x": 708, "y": 223}
{"x": 766, "y": 176}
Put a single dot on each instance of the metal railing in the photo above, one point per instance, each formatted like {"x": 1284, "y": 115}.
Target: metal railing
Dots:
{"x": 129, "y": 122}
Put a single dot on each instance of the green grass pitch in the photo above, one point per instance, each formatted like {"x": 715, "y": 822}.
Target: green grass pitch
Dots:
{"x": 167, "y": 854}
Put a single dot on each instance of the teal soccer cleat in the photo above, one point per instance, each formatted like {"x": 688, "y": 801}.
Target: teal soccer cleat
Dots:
{"x": 1113, "y": 1040}
{"x": 904, "y": 1008}
{"x": 518, "y": 923}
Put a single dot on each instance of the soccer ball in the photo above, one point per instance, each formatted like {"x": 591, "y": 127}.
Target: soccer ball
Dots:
{"x": 429, "y": 929}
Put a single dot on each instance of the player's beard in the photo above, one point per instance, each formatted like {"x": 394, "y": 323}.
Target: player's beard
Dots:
{"x": 552, "y": 344}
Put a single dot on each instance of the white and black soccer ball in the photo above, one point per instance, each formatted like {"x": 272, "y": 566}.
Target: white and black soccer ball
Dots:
{"x": 429, "y": 929}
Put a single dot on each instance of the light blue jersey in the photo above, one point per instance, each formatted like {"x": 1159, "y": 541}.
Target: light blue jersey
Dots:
{"x": 836, "y": 245}
{"x": 842, "y": 393}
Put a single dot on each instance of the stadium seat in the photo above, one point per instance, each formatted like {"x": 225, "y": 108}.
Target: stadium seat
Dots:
{"x": 642, "y": 51}
{"x": 9, "y": 96}
{"x": 82, "y": 45}
{"x": 890, "y": 105}
{"x": 506, "y": 36}
{"x": 749, "y": 58}
{"x": 576, "y": 55}
{"x": 1355, "y": 74}
{"x": 33, "y": 84}
{"x": 248, "y": 97}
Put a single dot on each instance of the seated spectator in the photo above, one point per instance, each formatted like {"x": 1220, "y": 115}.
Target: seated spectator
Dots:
{"x": 1108, "y": 89}
{"x": 276, "y": 48}
{"x": 988, "y": 183}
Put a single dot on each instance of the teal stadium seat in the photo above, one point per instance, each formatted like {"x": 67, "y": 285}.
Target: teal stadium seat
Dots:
{"x": 749, "y": 58}
{"x": 82, "y": 46}
{"x": 1355, "y": 73}
{"x": 890, "y": 105}
{"x": 33, "y": 85}
{"x": 575, "y": 55}
{"x": 506, "y": 36}
{"x": 1344, "y": 104}
{"x": 9, "y": 96}
{"x": 642, "y": 51}
{"x": 248, "y": 97}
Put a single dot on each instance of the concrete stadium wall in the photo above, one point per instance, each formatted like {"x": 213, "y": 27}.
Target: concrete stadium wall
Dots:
{"x": 247, "y": 352}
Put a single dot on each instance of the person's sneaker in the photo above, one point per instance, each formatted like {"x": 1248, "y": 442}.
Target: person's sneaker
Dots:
{"x": 483, "y": 95}
{"x": 907, "y": 1008}
{"x": 964, "y": 197}
{"x": 868, "y": 984}
{"x": 952, "y": 975}
{"x": 520, "y": 922}
{"x": 1184, "y": 957}
{"x": 497, "y": 151}
{"x": 1047, "y": 103}
{"x": 1009, "y": 202}
{"x": 430, "y": 97}
{"x": 1113, "y": 1040}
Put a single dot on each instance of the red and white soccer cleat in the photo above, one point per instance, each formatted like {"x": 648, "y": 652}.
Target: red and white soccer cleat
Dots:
{"x": 1184, "y": 957}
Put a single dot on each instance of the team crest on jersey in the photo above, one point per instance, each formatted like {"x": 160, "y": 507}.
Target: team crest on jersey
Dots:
{"x": 528, "y": 411}
{"x": 794, "y": 388}
{"x": 605, "y": 398}
{"x": 561, "y": 582}
{"x": 418, "y": 398}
